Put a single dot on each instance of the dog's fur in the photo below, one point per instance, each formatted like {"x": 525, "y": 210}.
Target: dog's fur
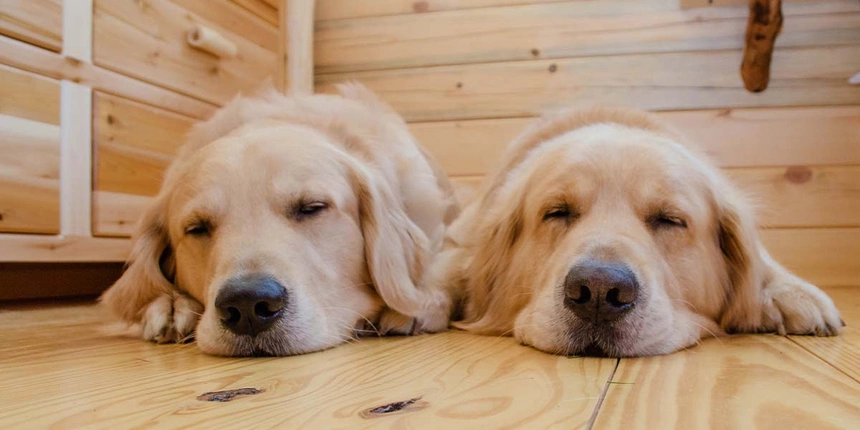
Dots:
{"x": 619, "y": 173}
{"x": 358, "y": 264}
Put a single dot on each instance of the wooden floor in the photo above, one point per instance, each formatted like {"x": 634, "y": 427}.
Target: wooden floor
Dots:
{"x": 62, "y": 366}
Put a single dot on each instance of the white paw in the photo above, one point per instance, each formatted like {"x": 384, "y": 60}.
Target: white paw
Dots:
{"x": 804, "y": 309}
{"x": 171, "y": 318}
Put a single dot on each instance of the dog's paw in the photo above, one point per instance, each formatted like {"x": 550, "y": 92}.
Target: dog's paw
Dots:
{"x": 393, "y": 323}
{"x": 803, "y": 309}
{"x": 171, "y": 318}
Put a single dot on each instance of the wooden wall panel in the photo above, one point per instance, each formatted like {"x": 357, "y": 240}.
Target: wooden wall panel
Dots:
{"x": 732, "y": 137}
{"x": 134, "y": 145}
{"x": 230, "y": 15}
{"x": 348, "y": 9}
{"x": 148, "y": 43}
{"x": 672, "y": 81}
{"x": 803, "y": 196}
{"x": 29, "y": 152}
{"x": 268, "y": 11}
{"x": 33, "y": 59}
{"x": 39, "y": 22}
{"x": 559, "y": 30}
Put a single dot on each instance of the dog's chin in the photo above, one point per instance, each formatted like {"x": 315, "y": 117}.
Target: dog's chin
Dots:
{"x": 617, "y": 340}
{"x": 279, "y": 341}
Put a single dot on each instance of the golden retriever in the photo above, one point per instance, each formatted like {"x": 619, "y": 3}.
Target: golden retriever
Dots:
{"x": 601, "y": 234}
{"x": 288, "y": 225}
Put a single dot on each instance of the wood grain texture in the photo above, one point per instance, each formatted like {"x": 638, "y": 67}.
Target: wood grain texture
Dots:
{"x": 672, "y": 81}
{"x": 724, "y": 3}
{"x": 76, "y": 159}
{"x": 29, "y": 152}
{"x": 29, "y": 96}
{"x": 146, "y": 40}
{"x": 134, "y": 144}
{"x": 803, "y": 196}
{"x": 39, "y": 22}
{"x": 346, "y": 9}
{"x": 824, "y": 256}
{"x": 461, "y": 379}
{"x": 265, "y": 10}
{"x": 843, "y": 352}
{"x": 761, "y": 381}
{"x": 757, "y": 137}
{"x": 238, "y": 19}
{"x": 65, "y": 366}
{"x": 298, "y": 17}
{"x": 116, "y": 214}
{"x": 559, "y": 30}
{"x": 26, "y": 248}
{"x": 27, "y": 57}
{"x": 29, "y": 176}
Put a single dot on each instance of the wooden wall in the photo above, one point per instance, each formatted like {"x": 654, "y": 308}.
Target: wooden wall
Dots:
{"x": 469, "y": 75}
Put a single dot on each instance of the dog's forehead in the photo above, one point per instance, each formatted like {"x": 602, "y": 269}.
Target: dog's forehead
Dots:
{"x": 265, "y": 154}
{"x": 608, "y": 155}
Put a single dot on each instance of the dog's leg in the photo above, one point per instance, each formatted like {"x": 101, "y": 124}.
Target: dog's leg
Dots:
{"x": 171, "y": 318}
{"x": 795, "y": 306}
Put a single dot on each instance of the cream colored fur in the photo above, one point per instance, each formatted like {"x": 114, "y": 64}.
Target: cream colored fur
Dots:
{"x": 614, "y": 169}
{"x": 358, "y": 265}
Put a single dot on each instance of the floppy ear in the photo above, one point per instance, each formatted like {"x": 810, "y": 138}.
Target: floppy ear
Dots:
{"x": 395, "y": 249}
{"x": 490, "y": 307}
{"x": 739, "y": 243}
{"x": 144, "y": 278}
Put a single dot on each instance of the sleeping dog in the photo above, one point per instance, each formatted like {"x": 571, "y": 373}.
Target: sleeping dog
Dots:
{"x": 289, "y": 225}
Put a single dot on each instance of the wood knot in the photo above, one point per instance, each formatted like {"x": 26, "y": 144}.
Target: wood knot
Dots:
{"x": 459, "y": 85}
{"x": 420, "y": 6}
{"x": 109, "y": 119}
{"x": 798, "y": 174}
{"x": 553, "y": 67}
{"x": 535, "y": 52}
{"x": 1, "y": 216}
{"x": 413, "y": 404}
{"x": 227, "y": 395}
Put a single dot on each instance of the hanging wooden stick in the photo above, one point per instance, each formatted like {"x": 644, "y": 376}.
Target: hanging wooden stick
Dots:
{"x": 763, "y": 26}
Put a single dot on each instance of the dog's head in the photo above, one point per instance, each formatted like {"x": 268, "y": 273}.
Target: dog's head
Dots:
{"x": 606, "y": 236}
{"x": 290, "y": 242}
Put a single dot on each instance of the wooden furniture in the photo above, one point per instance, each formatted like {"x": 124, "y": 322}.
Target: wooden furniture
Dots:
{"x": 97, "y": 96}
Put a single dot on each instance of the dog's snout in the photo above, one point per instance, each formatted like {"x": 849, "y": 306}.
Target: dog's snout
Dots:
{"x": 251, "y": 304}
{"x": 600, "y": 292}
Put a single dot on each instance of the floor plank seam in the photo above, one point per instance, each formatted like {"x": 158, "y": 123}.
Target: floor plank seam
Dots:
{"x": 593, "y": 418}
{"x": 814, "y": 354}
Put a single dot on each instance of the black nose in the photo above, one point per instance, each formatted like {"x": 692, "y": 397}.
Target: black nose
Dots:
{"x": 600, "y": 292}
{"x": 251, "y": 304}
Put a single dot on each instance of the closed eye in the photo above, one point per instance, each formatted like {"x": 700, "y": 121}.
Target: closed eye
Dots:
{"x": 559, "y": 212}
{"x": 663, "y": 220}
{"x": 309, "y": 209}
{"x": 198, "y": 228}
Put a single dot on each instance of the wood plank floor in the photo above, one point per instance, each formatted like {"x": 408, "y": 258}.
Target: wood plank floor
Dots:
{"x": 62, "y": 366}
